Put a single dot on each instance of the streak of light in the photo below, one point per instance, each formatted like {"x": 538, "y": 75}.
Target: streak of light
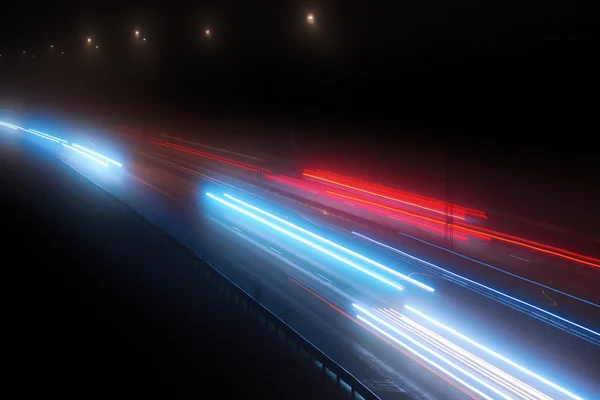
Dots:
{"x": 210, "y": 156}
{"x": 45, "y": 134}
{"x": 424, "y": 358}
{"x": 290, "y": 181}
{"x": 495, "y": 268}
{"x": 493, "y": 353}
{"x": 85, "y": 154}
{"x": 484, "y": 232}
{"x": 333, "y": 244}
{"x": 477, "y": 284}
{"x": 42, "y": 136}
{"x": 433, "y": 353}
{"x": 6, "y": 124}
{"x": 381, "y": 195}
{"x": 98, "y": 155}
{"x": 481, "y": 366}
{"x": 396, "y": 192}
{"x": 307, "y": 242}
{"x": 383, "y": 338}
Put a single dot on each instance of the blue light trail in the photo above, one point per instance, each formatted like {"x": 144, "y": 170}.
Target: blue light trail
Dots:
{"x": 307, "y": 242}
{"x": 98, "y": 155}
{"x": 478, "y": 284}
{"x": 335, "y": 245}
{"x": 85, "y": 154}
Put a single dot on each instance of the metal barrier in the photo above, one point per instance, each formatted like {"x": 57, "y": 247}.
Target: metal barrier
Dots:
{"x": 344, "y": 381}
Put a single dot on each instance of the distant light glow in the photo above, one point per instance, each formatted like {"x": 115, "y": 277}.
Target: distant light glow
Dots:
{"x": 85, "y": 154}
{"x": 51, "y": 46}
{"x": 137, "y": 33}
{"x": 144, "y": 39}
{"x": 98, "y": 155}
{"x": 50, "y": 136}
{"x": 310, "y": 18}
{"x": 476, "y": 283}
{"x": 96, "y": 46}
{"x": 307, "y": 242}
{"x": 333, "y": 244}
{"x": 493, "y": 353}
{"x": 89, "y": 40}
{"x": 207, "y": 32}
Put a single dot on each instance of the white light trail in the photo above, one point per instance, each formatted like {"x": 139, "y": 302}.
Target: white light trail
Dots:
{"x": 482, "y": 367}
{"x": 85, "y": 154}
{"x": 98, "y": 155}
{"x": 45, "y": 134}
{"x": 424, "y": 358}
{"x": 493, "y": 353}
{"x": 335, "y": 245}
{"x": 42, "y": 136}
{"x": 476, "y": 283}
{"x": 307, "y": 242}
{"x": 432, "y": 352}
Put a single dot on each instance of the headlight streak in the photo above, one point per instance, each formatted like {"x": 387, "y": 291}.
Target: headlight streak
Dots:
{"x": 308, "y": 243}
{"x": 335, "y": 245}
{"x": 481, "y": 366}
{"x": 50, "y": 136}
{"x": 432, "y": 352}
{"x": 493, "y": 353}
{"x": 85, "y": 154}
{"x": 423, "y": 357}
{"x": 477, "y": 284}
{"x": 98, "y": 155}
{"x": 42, "y": 136}
{"x": 11, "y": 126}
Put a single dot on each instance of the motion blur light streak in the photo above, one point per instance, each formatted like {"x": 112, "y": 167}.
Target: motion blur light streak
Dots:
{"x": 484, "y": 264}
{"x": 6, "y": 124}
{"x": 395, "y": 192}
{"x": 210, "y": 156}
{"x": 98, "y": 155}
{"x": 481, "y": 366}
{"x": 493, "y": 353}
{"x": 432, "y": 352}
{"x": 335, "y": 245}
{"x": 85, "y": 154}
{"x": 308, "y": 243}
{"x": 42, "y": 136}
{"x": 423, "y": 357}
{"x": 381, "y": 195}
{"x": 50, "y": 136}
{"x": 477, "y": 284}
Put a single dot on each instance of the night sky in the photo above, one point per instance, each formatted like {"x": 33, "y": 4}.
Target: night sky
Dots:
{"x": 513, "y": 74}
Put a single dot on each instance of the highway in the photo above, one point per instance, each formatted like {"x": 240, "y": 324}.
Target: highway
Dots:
{"x": 396, "y": 334}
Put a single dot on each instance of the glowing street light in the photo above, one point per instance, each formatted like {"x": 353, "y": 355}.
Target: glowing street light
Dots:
{"x": 310, "y": 18}
{"x": 62, "y": 52}
{"x": 137, "y": 33}
{"x": 144, "y": 39}
{"x": 89, "y": 40}
{"x": 51, "y": 46}
{"x": 96, "y": 46}
{"x": 207, "y": 32}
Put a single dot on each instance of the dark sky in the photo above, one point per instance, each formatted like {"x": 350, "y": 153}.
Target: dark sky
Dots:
{"x": 510, "y": 63}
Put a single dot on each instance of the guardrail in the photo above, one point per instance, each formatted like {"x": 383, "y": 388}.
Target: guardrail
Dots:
{"x": 347, "y": 385}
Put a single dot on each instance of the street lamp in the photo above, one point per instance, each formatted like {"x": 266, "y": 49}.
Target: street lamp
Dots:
{"x": 310, "y": 18}
{"x": 89, "y": 40}
{"x": 207, "y": 32}
{"x": 137, "y": 33}
{"x": 144, "y": 39}
{"x": 96, "y": 46}
{"x": 51, "y": 46}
